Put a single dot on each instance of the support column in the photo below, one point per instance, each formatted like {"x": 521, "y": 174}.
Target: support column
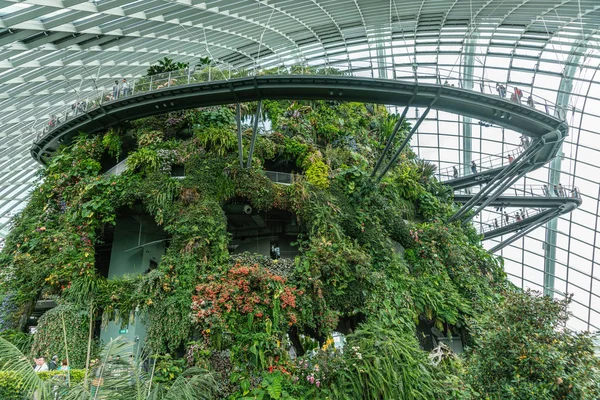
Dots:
{"x": 468, "y": 61}
{"x": 562, "y": 102}
{"x": 381, "y": 39}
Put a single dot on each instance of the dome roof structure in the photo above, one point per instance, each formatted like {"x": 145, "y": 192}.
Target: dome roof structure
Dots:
{"x": 56, "y": 52}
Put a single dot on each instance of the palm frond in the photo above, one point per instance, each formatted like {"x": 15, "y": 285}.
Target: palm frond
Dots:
{"x": 192, "y": 384}
{"x": 13, "y": 360}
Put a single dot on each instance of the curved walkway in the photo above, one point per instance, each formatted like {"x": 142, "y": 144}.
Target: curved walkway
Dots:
{"x": 497, "y": 110}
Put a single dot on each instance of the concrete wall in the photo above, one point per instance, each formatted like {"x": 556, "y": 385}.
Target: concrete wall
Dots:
{"x": 129, "y": 257}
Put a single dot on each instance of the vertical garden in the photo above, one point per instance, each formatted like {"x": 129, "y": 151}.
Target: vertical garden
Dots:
{"x": 375, "y": 262}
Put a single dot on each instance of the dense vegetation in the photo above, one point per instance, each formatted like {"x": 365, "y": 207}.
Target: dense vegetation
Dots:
{"x": 375, "y": 261}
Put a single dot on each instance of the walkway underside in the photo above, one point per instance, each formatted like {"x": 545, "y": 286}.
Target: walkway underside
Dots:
{"x": 536, "y": 211}
{"x": 527, "y": 225}
{"x": 523, "y": 201}
{"x": 496, "y": 110}
{"x": 498, "y": 180}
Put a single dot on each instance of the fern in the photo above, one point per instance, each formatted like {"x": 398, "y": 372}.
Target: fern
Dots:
{"x": 274, "y": 389}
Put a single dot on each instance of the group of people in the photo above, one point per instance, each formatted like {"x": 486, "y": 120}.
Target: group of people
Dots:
{"x": 53, "y": 121}
{"x": 119, "y": 90}
{"x": 559, "y": 191}
{"x": 520, "y": 215}
{"x": 79, "y": 107}
{"x": 516, "y": 96}
{"x": 455, "y": 170}
{"x": 41, "y": 365}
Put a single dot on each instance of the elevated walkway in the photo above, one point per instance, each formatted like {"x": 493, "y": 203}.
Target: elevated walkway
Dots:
{"x": 537, "y": 205}
{"x": 103, "y": 113}
{"x": 490, "y": 167}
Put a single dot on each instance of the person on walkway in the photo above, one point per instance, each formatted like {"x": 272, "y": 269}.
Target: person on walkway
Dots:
{"x": 454, "y": 172}
{"x": 530, "y": 102}
{"x": 125, "y": 88}
{"x": 574, "y": 193}
{"x": 501, "y": 90}
{"x": 495, "y": 222}
{"x": 556, "y": 191}
{"x": 524, "y": 142}
{"x": 473, "y": 167}
{"x": 513, "y": 97}
{"x": 518, "y": 94}
{"x": 561, "y": 190}
{"x": 115, "y": 93}
{"x": 517, "y": 216}
{"x": 510, "y": 159}
{"x": 506, "y": 217}
{"x": 40, "y": 364}
{"x": 546, "y": 191}
{"x": 52, "y": 364}
{"x": 524, "y": 213}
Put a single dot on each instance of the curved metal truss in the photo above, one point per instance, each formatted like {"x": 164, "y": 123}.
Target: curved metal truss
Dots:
{"x": 53, "y": 52}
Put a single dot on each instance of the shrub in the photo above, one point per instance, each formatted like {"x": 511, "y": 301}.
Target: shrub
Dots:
{"x": 49, "y": 338}
{"x": 10, "y": 382}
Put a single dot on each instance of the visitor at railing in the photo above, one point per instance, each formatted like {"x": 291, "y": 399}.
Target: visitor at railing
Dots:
{"x": 501, "y": 89}
{"x": 575, "y": 192}
{"x": 125, "y": 88}
{"x": 546, "y": 191}
{"x": 518, "y": 95}
{"x": 115, "y": 90}
{"x": 489, "y": 162}
{"x": 530, "y": 102}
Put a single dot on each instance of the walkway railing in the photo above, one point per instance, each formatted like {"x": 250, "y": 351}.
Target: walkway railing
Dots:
{"x": 505, "y": 218}
{"x": 483, "y": 164}
{"x": 159, "y": 82}
{"x": 282, "y": 178}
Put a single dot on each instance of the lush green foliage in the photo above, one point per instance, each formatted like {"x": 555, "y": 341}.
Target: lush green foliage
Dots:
{"x": 53, "y": 326}
{"x": 523, "y": 350}
{"x": 375, "y": 261}
{"x": 11, "y": 384}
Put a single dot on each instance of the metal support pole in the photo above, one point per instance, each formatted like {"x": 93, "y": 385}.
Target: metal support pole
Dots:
{"x": 546, "y": 217}
{"x": 390, "y": 140}
{"x": 405, "y": 142}
{"x": 498, "y": 191}
{"x": 239, "y": 134}
{"x": 254, "y": 133}
{"x": 169, "y": 79}
{"x": 497, "y": 181}
{"x": 189, "y": 75}
{"x": 150, "y": 88}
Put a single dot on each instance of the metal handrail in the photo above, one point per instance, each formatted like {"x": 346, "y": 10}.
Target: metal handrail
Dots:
{"x": 504, "y": 219}
{"x": 208, "y": 74}
{"x": 483, "y": 164}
